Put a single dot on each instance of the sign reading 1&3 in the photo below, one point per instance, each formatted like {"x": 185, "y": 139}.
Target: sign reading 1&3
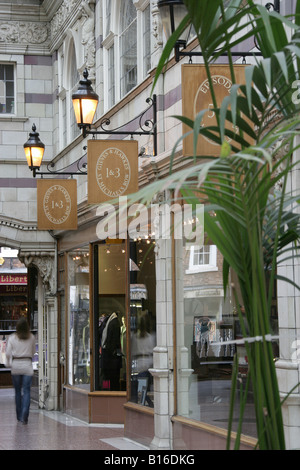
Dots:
{"x": 113, "y": 172}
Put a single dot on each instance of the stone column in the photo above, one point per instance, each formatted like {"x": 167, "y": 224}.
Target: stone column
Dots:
{"x": 163, "y": 369}
{"x": 45, "y": 262}
{"x": 157, "y": 34}
{"x": 182, "y": 354}
{"x": 52, "y": 353}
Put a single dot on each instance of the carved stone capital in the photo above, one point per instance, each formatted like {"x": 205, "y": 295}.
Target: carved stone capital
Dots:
{"x": 63, "y": 16}
{"x": 156, "y": 26}
{"x": 45, "y": 263}
{"x": 88, "y": 37}
{"x": 77, "y": 17}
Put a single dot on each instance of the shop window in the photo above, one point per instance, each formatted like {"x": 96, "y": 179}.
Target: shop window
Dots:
{"x": 13, "y": 301}
{"x": 110, "y": 315}
{"x": 7, "y": 89}
{"x": 142, "y": 320}
{"x": 124, "y": 317}
{"x": 13, "y": 289}
{"x": 211, "y": 325}
{"x": 79, "y": 318}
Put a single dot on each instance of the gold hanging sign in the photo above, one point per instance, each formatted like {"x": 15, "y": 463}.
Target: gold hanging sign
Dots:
{"x": 196, "y": 96}
{"x": 57, "y": 204}
{"x": 112, "y": 169}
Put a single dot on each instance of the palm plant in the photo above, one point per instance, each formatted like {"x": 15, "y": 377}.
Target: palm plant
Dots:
{"x": 246, "y": 216}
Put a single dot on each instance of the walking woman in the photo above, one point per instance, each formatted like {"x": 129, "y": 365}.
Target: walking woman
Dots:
{"x": 19, "y": 353}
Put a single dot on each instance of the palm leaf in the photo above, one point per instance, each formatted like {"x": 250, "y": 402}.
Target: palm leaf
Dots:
{"x": 249, "y": 221}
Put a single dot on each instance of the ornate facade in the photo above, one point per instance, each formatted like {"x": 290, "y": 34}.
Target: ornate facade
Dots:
{"x": 49, "y": 44}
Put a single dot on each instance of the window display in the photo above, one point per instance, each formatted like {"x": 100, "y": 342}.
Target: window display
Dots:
{"x": 211, "y": 327}
{"x": 142, "y": 320}
{"x": 15, "y": 303}
{"x": 110, "y": 315}
{"x": 124, "y": 317}
{"x": 110, "y": 351}
{"x": 79, "y": 318}
{"x": 13, "y": 290}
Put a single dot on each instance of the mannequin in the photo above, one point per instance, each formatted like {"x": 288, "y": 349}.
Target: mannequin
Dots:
{"x": 111, "y": 352}
{"x": 86, "y": 347}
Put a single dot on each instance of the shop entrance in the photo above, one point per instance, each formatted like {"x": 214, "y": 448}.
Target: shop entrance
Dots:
{"x": 110, "y": 315}
{"x": 125, "y": 317}
{"x": 110, "y": 328}
{"x": 16, "y": 301}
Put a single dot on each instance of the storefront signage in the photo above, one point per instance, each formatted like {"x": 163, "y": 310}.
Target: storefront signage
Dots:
{"x": 196, "y": 96}
{"x": 112, "y": 169}
{"x": 18, "y": 279}
{"x": 13, "y": 289}
{"x": 57, "y": 204}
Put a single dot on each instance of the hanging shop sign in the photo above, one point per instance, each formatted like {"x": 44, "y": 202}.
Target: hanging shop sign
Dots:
{"x": 57, "y": 204}
{"x": 112, "y": 169}
{"x": 196, "y": 96}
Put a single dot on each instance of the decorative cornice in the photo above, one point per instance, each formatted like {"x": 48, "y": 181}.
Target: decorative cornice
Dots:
{"x": 50, "y": 7}
{"x": 18, "y": 225}
{"x": 45, "y": 29}
{"x": 10, "y": 11}
{"x": 63, "y": 19}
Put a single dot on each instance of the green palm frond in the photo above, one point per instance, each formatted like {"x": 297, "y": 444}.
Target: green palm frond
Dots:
{"x": 248, "y": 213}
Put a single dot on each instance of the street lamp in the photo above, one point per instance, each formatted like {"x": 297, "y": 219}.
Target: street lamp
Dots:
{"x": 85, "y": 102}
{"x": 34, "y": 150}
{"x": 172, "y": 13}
{"x": 275, "y": 5}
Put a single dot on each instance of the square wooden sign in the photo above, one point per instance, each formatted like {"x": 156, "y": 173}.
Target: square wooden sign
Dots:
{"x": 196, "y": 96}
{"x": 57, "y": 204}
{"x": 112, "y": 169}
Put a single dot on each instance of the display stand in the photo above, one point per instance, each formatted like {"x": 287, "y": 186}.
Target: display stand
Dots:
{"x": 5, "y": 375}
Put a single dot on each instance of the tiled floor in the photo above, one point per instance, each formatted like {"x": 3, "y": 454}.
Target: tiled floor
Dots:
{"x": 52, "y": 430}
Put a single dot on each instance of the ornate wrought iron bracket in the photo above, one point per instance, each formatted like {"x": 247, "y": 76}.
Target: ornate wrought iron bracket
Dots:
{"x": 147, "y": 126}
{"x": 80, "y": 164}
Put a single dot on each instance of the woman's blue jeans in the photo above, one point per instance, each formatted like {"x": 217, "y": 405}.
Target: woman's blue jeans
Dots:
{"x": 22, "y": 385}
